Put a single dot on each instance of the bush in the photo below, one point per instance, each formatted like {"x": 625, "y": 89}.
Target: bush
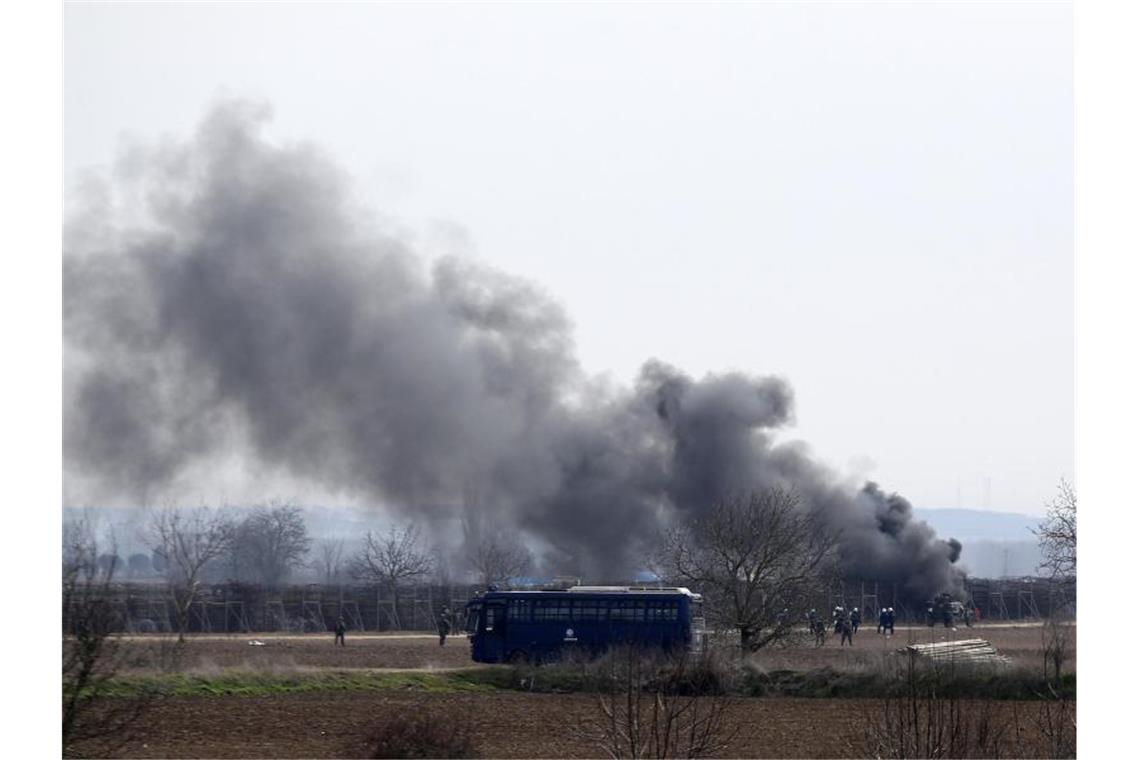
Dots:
{"x": 412, "y": 732}
{"x": 704, "y": 674}
{"x": 963, "y": 682}
{"x": 653, "y": 706}
{"x": 932, "y": 712}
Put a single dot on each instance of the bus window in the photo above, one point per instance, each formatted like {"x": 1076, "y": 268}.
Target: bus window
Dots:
{"x": 628, "y": 610}
{"x": 543, "y": 624}
{"x": 519, "y": 610}
{"x": 551, "y": 610}
{"x": 472, "y": 622}
{"x": 589, "y": 609}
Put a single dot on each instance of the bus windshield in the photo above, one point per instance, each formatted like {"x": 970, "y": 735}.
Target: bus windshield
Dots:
{"x": 472, "y": 622}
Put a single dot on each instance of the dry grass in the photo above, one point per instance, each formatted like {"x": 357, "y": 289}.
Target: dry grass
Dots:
{"x": 412, "y": 732}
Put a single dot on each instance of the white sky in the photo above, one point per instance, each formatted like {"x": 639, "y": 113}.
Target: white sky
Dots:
{"x": 874, "y": 201}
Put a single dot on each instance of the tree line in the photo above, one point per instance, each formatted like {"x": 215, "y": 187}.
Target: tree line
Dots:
{"x": 754, "y": 556}
{"x": 268, "y": 544}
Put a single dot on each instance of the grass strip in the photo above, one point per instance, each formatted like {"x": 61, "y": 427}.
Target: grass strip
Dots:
{"x": 256, "y": 684}
{"x": 823, "y": 683}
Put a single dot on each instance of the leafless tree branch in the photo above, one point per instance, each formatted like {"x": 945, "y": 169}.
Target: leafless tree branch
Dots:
{"x": 753, "y": 557}
{"x": 92, "y": 651}
{"x": 392, "y": 559}
{"x": 186, "y": 541}
{"x": 1057, "y": 535}
{"x": 329, "y": 561}
{"x": 269, "y": 543}
{"x": 494, "y": 556}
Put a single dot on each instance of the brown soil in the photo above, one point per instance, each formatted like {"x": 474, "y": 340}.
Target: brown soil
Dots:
{"x": 1021, "y": 642}
{"x": 211, "y": 653}
{"x": 505, "y": 725}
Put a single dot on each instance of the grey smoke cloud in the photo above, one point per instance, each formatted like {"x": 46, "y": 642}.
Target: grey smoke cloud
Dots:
{"x": 254, "y": 308}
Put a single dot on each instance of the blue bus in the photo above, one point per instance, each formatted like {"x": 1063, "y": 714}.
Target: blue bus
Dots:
{"x": 542, "y": 626}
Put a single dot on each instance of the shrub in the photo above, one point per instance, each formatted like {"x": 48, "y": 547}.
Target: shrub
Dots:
{"x": 654, "y": 706}
{"x": 412, "y": 732}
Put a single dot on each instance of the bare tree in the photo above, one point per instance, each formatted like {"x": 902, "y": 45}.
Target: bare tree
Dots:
{"x": 391, "y": 560}
{"x": 186, "y": 541}
{"x": 653, "y": 707}
{"x": 109, "y": 563}
{"x": 329, "y": 561}
{"x": 497, "y": 559}
{"x": 269, "y": 543}
{"x": 922, "y": 717}
{"x": 441, "y": 565}
{"x": 92, "y": 651}
{"x": 1057, "y": 535}
{"x": 494, "y": 556}
{"x": 753, "y": 557}
{"x": 139, "y": 566}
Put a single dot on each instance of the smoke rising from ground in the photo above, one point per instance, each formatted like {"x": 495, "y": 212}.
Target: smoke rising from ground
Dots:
{"x": 247, "y": 305}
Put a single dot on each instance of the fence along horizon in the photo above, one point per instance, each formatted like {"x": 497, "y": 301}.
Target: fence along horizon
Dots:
{"x": 226, "y": 297}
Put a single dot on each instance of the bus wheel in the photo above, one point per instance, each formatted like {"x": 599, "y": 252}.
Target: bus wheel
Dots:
{"x": 518, "y": 658}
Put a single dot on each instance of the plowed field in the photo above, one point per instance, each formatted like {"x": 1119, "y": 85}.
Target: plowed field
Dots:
{"x": 506, "y": 723}
{"x": 276, "y": 653}
{"x": 1023, "y": 643}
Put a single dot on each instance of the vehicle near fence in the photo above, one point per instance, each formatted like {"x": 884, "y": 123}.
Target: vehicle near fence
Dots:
{"x": 949, "y": 611}
{"x": 548, "y": 625}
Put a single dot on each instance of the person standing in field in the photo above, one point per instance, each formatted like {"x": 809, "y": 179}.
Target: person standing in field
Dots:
{"x": 340, "y": 629}
{"x": 856, "y": 619}
{"x": 882, "y": 621}
{"x": 444, "y": 625}
{"x": 845, "y": 628}
{"x": 891, "y": 619}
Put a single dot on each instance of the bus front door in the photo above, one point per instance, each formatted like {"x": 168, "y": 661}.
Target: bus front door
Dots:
{"x": 494, "y": 632}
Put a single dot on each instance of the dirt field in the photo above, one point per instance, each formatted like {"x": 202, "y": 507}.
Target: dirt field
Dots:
{"x": 507, "y": 724}
{"x": 271, "y": 652}
{"x": 209, "y": 653}
{"x": 1021, "y": 642}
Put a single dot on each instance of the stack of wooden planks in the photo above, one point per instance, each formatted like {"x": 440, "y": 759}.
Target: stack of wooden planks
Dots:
{"x": 965, "y": 651}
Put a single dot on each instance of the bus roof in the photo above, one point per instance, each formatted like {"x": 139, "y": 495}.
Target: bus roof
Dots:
{"x": 657, "y": 590}
{"x": 633, "y": 590}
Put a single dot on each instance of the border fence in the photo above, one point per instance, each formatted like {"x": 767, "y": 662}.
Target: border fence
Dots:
{"x": 308, "y": 608}
{"x": 993, "y": 599}
{"x": 235, "y": 608}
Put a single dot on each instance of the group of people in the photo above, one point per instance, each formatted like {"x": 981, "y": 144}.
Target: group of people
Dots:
{"x": 845, "y": 623}
{"x": 443, "y": 627}
{"x": 887, "y": 620}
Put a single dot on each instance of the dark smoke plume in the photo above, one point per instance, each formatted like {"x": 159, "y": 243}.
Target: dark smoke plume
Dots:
{"x": 244, "y": 304}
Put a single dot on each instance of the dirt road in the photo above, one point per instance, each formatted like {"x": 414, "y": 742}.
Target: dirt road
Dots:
{"x": 420, "y": 651}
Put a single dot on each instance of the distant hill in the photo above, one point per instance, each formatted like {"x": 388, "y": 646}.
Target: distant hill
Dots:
{"x": 994, "y": 544}
{"x": 979, "y": 524}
